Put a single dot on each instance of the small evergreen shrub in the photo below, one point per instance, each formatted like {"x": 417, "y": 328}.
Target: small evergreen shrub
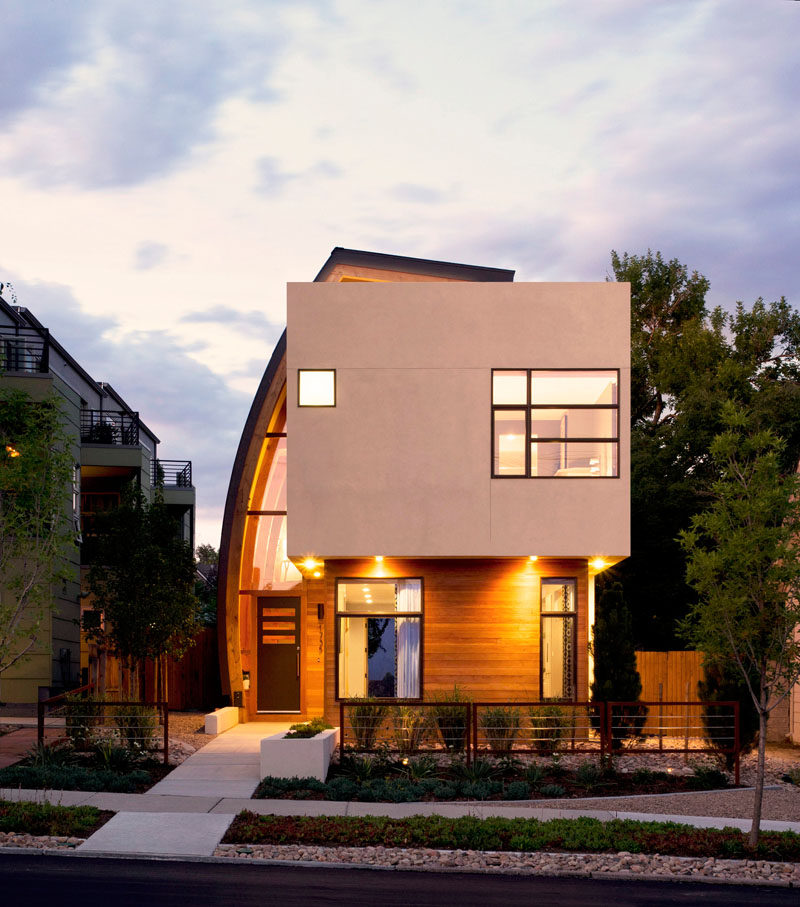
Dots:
{"x": 517, "y": 790}
{"x": 500, "y": 726}
{"x": 366, "y": 718}
{"x": 452, "y": 720}
{"x": 552, "y": 790}
{"x": 548, "y": 724}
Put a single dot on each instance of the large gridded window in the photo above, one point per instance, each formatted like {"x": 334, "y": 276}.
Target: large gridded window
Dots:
{"x": 557, "y": 645}
{"x": 555, "y": 423}
{"x": 379, "y": 638}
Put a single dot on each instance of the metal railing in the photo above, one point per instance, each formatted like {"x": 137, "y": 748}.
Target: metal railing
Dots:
{"x": 173, "y": 473}
{"x": 135, "y": 725}
{"x": 109, "y": 426}
{"x": 24, "y": 349}
{"x": 544, "y": 728}
{"x": 406, "y": 726}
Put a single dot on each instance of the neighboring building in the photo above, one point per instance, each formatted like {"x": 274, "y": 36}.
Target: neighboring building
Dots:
{"x": 111, "y": 447}
{"x": 434, "y": 468}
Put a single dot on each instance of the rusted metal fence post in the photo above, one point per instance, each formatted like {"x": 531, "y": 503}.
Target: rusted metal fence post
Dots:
{"x": 165, "y": 713}
{"x": 660, "y": 717}
{"x": 341, "y": 727}
{"x": 686, "y": 725}
{"x": 736, "y": 743}
{"x": 40, "y": 722}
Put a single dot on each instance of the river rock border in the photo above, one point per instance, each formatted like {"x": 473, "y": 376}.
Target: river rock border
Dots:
{"x": 621, "y": 865}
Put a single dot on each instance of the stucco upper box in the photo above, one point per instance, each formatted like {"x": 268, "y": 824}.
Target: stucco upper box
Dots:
{"x": 402, "y": 464}
{"x": 458, "y": 325}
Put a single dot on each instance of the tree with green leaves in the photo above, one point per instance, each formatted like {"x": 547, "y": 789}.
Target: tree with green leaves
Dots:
{"x": 36, "y": 528}
{"x": 616, "y": 677}
{"x": 143, "y": 582}
{"x": 743, "y": 560}
{"x": 685, "y": 358}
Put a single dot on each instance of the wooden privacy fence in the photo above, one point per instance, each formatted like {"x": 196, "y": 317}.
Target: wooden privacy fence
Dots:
{"x": 670, "y": 677}
{"x": 192, "y": 680}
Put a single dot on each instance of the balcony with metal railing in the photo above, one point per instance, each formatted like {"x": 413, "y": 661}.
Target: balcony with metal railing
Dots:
{"x": 109, "y": 426}
{"x": 24, "y": 349}
{"x": 173, "y": 473}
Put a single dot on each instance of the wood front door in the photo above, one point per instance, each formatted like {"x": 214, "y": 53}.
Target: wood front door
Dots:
{"x": 278, "y": 654}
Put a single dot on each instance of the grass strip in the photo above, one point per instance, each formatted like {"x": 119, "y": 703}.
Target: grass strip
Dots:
{"x": 579, "y": 835}
{"x": 49, "y": 819}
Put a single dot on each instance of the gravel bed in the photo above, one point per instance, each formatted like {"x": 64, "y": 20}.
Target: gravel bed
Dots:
{"x": 625, "y": 864}
{"x": 186, "y": 735}
{"x": 38, "y": 842}
{"x": 782, "y": 804}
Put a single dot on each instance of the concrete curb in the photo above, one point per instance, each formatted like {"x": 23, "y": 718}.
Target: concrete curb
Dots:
{"x": 483, "y": 870}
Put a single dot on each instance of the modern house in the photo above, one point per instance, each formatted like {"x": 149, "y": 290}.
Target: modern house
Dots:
{"x": 434, "y": 470}
{"x": 111, "y": 446}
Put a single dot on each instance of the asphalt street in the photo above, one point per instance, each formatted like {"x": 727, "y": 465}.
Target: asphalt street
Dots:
{"x": 35, "y": 879}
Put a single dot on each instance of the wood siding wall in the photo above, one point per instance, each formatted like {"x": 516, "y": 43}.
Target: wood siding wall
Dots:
{"x": 480, "y": 627}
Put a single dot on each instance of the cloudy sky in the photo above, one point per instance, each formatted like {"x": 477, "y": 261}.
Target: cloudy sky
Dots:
{"x": 166, "y": 168}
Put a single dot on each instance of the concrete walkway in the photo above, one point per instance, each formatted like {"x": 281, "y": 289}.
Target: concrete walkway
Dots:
{"x": 228, "y": 766}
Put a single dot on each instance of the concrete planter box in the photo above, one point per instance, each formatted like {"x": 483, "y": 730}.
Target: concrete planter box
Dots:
{"x": 300, "y": 757}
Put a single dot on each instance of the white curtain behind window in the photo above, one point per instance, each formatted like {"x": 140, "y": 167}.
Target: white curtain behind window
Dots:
{"x": 409, "y": 598}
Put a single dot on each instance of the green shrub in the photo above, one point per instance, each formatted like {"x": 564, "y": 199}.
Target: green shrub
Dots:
{"x": 477, "y": 770}
{"x": 481, "y": 790}
{"x": 359, "y": 768}
{"x": 423, "y": 767}
{"x": 552, "y": 790}
{"x": 704, "y": 777}
{"x": 452, "y": 720}
{"x": 72, "y": 777}
{"x": 52, "y": 754}
{"x": 534, "y": 775}
{"x": 341, "y": 788}
{"x": 548, "y": 726}
{"x": 500, "y": 726}
{"x": 137, "y": 725}
{"x": 307, "y": 729}
{"x": 113, "y": 757}
{"x": 517, "y": 790}
{"x": 366, "y": 718}
{"x": 412, "y": 727}
{"x": 82, "y": 714}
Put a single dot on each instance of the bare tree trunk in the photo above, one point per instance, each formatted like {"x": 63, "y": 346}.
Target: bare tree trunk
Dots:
{"x": 758, "y": 795}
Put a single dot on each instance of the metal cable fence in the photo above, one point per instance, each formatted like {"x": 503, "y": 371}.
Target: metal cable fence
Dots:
{"x": 509, "y": 728}
{"x": 88, "y": 720}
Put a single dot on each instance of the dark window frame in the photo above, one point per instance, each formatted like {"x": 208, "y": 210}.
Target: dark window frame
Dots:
{"x": 339, "y": 615}
{"x": 528, "y": 408}
{"x": 560, "y": 615}
{"x": 317, "y": 405}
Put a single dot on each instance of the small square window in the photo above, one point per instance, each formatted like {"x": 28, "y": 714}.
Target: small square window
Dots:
{"x": 316, "y": 387}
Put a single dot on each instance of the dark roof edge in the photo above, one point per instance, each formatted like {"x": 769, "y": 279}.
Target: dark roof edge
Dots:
{"x": 26, "y": 318}
{"x": 385, "y": 262}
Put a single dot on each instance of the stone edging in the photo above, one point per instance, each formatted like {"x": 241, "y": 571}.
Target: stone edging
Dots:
{"x": 654, "y": 867}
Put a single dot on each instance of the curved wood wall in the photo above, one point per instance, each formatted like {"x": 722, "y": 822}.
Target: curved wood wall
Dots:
{"x": 263, "y": 412}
